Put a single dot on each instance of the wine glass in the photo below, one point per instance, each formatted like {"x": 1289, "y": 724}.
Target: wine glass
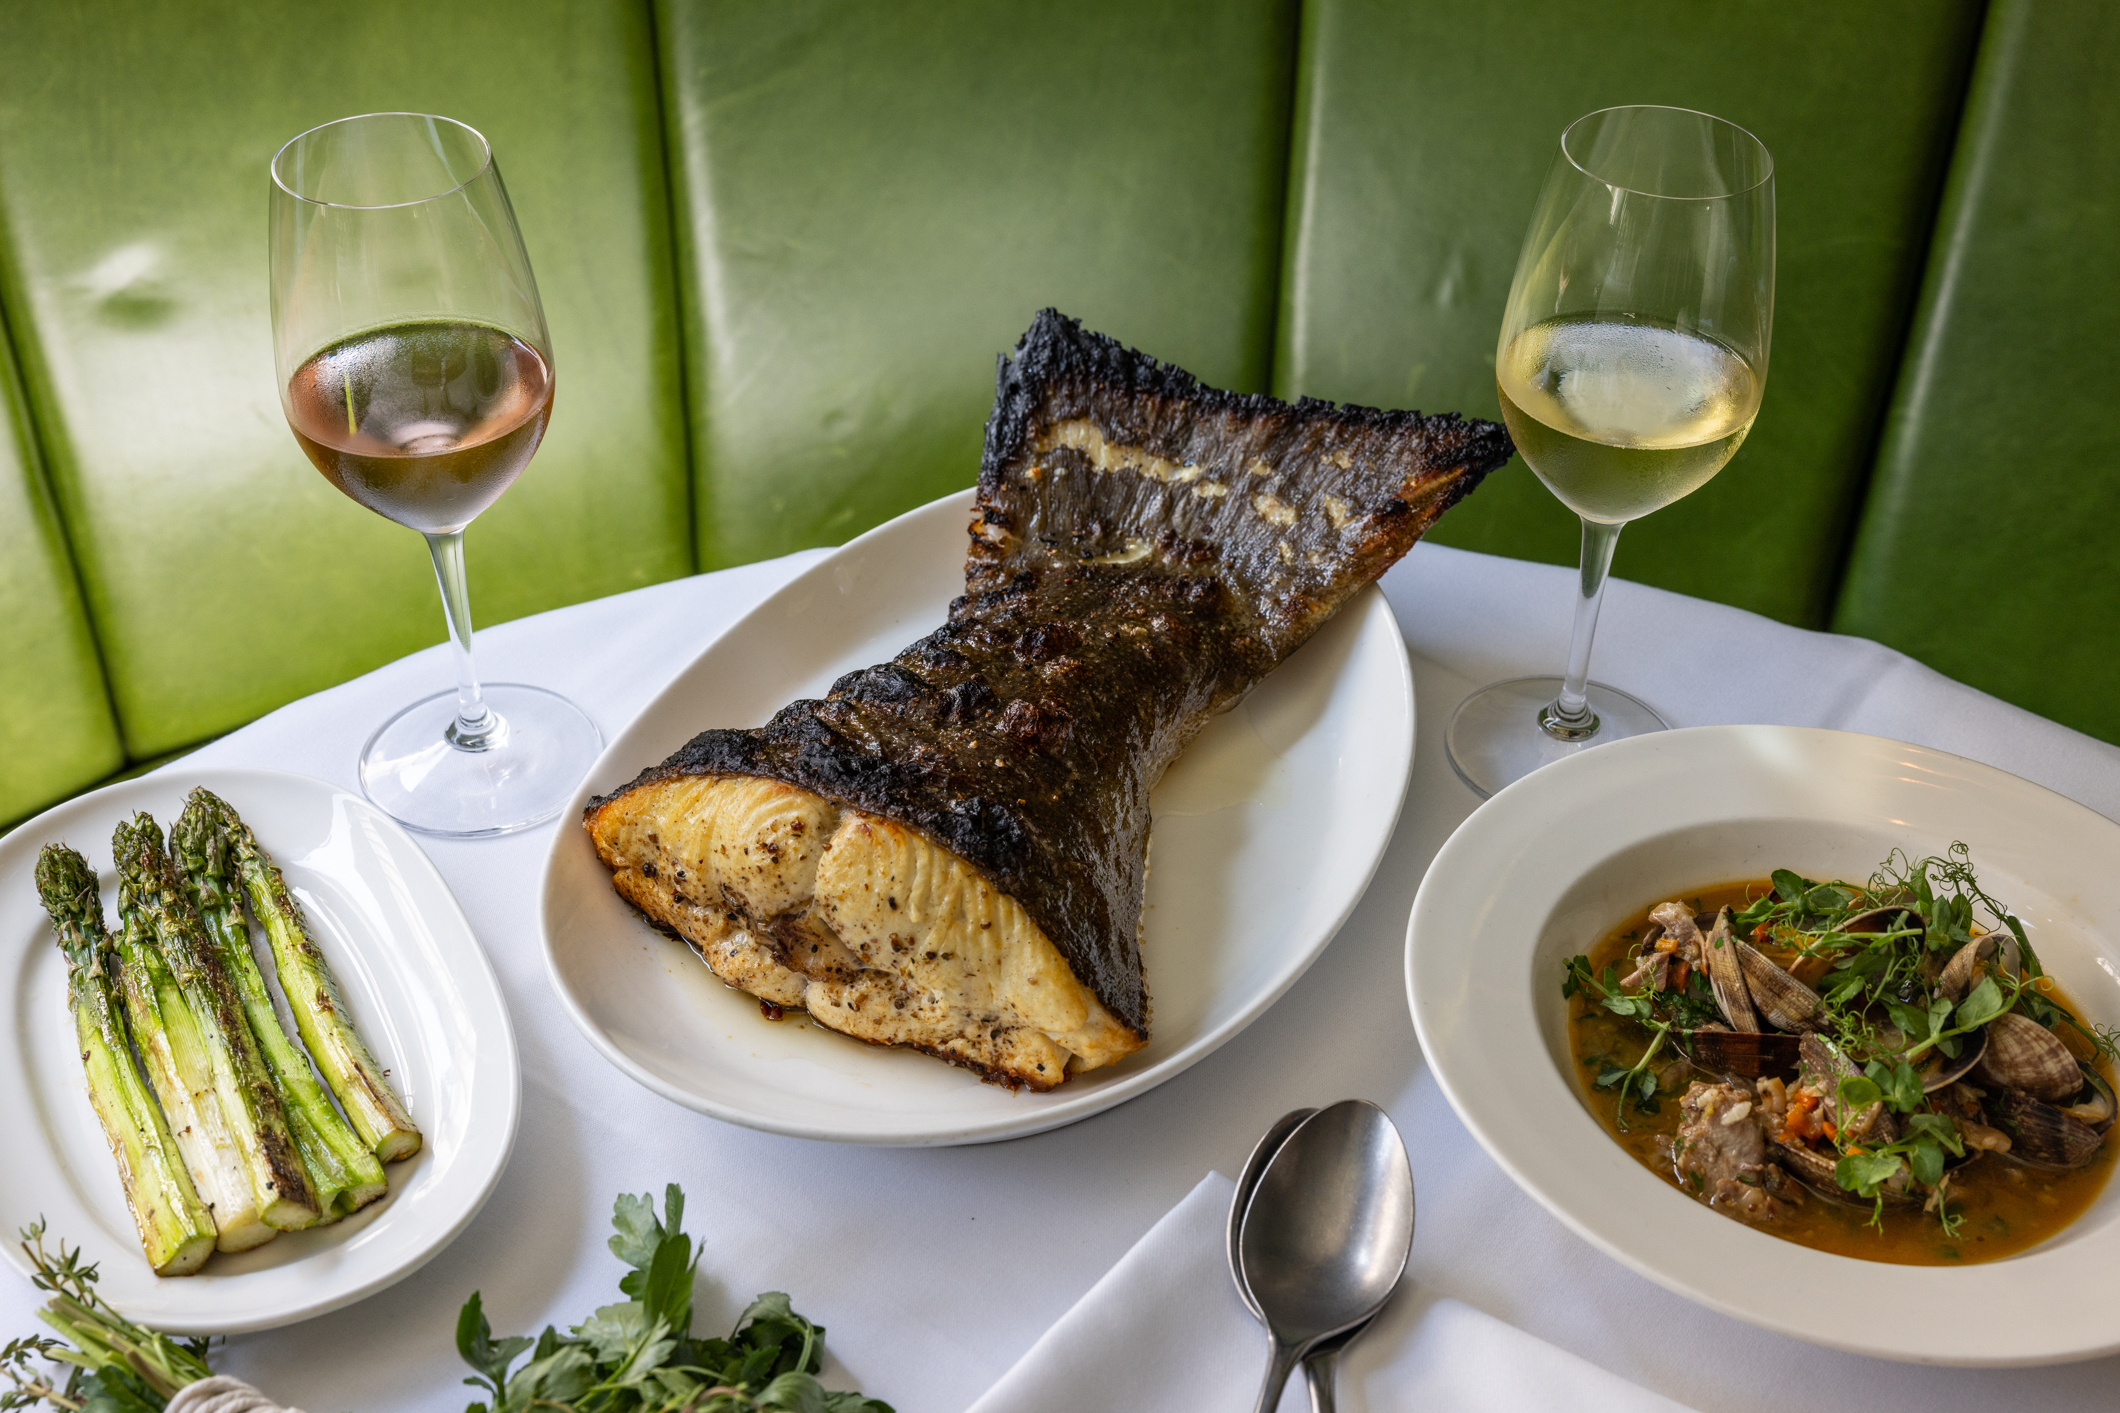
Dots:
{"x": 416, "y": 372}
{"x": 1631, "y": 362}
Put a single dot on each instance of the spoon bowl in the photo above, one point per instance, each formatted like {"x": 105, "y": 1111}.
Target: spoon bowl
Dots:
{"x": 1321, "y": 1361}
{"x": 1326, "y": 1233}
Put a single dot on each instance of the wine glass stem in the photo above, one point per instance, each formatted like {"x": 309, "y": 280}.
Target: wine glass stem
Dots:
{"x": 476, "y": 726}
{"x": 1570, "y": 717}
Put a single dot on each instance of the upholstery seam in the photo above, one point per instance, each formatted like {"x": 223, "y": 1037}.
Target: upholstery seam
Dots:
{"x": 40, "y": 474}
{"x": 675, "y": 249}
{"x": 1288, "y": 242}
{"x": 1914, "y": 322}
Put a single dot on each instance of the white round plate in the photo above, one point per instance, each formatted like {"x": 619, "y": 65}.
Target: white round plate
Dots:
{"x": 420, "y": 989}
{"x": 1266, "y": 833}
{"x": 1554, "y": 862}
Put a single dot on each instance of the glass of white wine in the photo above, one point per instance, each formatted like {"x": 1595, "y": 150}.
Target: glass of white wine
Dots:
{"x": 416, "y": 373}
{"x": 1631, "y": 362}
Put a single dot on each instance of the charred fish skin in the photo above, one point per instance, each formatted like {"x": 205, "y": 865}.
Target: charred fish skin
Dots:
{"x": 1096, "y": 451}
{"x": 1143, "y": 550}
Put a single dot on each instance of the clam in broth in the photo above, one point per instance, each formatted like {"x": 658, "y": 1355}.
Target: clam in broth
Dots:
{"x": 1880, "y": 1070}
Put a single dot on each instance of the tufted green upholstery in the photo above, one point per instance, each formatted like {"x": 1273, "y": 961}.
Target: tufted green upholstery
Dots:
{"x": 223, "y": 574}
{"x": 781, "y": 242}
{"x": 1987, "y": 544}
{"x": 1425, "y": 131}
{"x": 878, "y": 196}
{"x": 56, "y": 729}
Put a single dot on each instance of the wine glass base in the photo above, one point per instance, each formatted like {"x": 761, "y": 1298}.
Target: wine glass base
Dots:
{"x": 1495, "y": 739}
{"x": 524, "y": 777}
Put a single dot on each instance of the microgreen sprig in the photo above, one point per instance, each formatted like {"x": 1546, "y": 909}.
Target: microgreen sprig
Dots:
{"x": 1927, "y": 1137}
{"x": 1638, "y": 1081}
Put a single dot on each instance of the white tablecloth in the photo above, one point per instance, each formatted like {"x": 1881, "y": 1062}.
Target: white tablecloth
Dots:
{"x": 936, "y": 1269}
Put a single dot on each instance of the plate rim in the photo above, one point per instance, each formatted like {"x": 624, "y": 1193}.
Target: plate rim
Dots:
{"x": 1073, "y": 1108}
{"x": 484, "y": 1178}
{"x": 1762, "y": 1312}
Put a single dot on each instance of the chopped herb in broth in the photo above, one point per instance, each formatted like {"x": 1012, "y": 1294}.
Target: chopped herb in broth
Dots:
{"x": 1881, "y": 1070}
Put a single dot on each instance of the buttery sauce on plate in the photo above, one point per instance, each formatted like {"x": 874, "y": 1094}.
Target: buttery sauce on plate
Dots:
{"x": 2006, "y": 1207}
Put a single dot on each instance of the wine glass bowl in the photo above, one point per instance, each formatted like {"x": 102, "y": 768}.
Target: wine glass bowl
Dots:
{"x": 416, "y": 373}
{"x": 1630, "y": 365}
{"x": 1620, "y": 417}
{"x": 435, "y": 447}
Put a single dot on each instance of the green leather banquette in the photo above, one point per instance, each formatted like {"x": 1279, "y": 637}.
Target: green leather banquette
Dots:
{"x": 781, "y": 241}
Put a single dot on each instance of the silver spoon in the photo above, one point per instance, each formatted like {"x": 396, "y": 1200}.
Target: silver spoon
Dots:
{"x": 1254, "y": 1167}
{"x": 1320, "y": 1365}
{"x": 1325, "y": 1235}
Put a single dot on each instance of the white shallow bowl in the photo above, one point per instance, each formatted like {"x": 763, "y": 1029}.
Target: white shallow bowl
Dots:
{"x": 1551, "y": 864}
{"x": 421, "y": 991}
{"x": 1266, "y": 832}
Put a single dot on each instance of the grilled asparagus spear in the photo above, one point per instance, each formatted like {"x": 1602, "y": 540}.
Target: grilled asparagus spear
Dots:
{"x": 312, "y": 992}
{"x": 343, "y": 1173}
{"x": 249, "y": 1105}
{"x": 174, "y": 1053}
{"x": 176, "y": 1230}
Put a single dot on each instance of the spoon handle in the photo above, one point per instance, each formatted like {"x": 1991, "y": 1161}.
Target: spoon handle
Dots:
{"x": 1280, "y": 1363}
{"x": 1321, "y": 1368}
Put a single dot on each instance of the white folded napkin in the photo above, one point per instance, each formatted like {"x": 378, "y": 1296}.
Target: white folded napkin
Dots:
{"x": 1165, "y": 1330}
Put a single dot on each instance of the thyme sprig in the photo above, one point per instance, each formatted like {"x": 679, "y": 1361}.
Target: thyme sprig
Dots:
{"x": 112, "y": 1364}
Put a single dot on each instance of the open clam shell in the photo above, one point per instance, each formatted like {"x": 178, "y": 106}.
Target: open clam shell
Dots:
{"x": 1817, "y": 1171}
{"x": 1880, "y": 919}
{"x": 1989, "y": 952}
{"x": 1651, "y": 965}
{"x": 2094, "y": 1106}
{"x": 2041, "y": 1136}
{"x": 1964, "y": 967}
{"x": 1726, "y": 975}
{"x": 2024, "y": 1055}
{"x": 1943, "y": 1070}
{"x": 1786, "y": 1003}
{"x": 1682, "y": 925}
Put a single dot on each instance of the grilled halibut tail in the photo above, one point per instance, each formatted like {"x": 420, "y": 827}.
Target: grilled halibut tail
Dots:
{"x": 948, "y": 851}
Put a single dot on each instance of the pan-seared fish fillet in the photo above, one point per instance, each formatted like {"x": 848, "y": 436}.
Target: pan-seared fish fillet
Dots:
{"x": 948, "y": 851}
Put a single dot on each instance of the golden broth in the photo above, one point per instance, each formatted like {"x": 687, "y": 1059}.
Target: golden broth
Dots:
{"x": 2006, "y": 1208}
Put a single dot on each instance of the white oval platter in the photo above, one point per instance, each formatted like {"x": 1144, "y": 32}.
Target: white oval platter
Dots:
{"x": 1266, "y": 832}
{"x": 1552, "y": 863}
{"x": 420, "y": 989}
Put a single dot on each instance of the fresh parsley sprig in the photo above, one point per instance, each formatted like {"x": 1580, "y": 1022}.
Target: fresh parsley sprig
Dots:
{"x": 640, "y": 1356}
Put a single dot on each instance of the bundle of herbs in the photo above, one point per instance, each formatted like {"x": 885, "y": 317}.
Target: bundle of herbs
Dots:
{"x": 102, "y": 1362}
